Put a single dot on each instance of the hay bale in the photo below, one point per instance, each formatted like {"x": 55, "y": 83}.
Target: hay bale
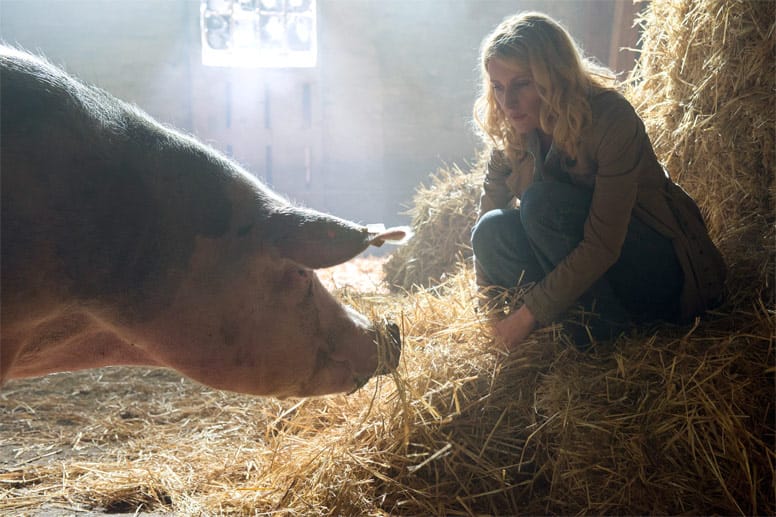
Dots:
{"x": 704, "y": 85}
{"x": 442, "y": 218}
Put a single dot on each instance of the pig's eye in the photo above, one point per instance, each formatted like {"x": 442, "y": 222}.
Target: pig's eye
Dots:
{"x": 298, "y": 283}
{"x": 305, "y": 281}
{"x": 309, "y": 281}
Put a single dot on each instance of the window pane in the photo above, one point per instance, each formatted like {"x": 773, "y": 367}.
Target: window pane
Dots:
{"x": 258, "y": 33}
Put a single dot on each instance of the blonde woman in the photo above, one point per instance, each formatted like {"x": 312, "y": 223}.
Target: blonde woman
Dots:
{"x": 576, "y": 210}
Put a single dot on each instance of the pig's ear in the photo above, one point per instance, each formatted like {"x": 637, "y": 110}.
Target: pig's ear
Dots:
{"x": 396, "y": 235}
{"x": 314, "y": 239}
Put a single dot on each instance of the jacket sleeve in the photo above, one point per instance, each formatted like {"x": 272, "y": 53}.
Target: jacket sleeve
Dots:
{"x": 616, "y": 142}
{"x": 495, "y": 191}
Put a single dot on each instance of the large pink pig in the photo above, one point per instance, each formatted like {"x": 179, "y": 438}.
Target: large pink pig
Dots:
{"x": 127, "y": 243}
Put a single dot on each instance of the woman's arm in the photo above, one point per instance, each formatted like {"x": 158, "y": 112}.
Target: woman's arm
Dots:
{"x": 616, "y": 142}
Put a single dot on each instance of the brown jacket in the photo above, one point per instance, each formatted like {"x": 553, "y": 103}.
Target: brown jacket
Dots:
{"x": 617, "y": 162}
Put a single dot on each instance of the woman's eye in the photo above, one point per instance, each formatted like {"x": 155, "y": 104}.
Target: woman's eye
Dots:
{"x": 498, "y": 88}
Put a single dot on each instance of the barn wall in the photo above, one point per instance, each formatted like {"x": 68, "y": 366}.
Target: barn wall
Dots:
{"x": 390, "y": 98}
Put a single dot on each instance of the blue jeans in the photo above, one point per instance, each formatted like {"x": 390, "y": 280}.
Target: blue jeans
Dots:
{"x": 513, "y": 247}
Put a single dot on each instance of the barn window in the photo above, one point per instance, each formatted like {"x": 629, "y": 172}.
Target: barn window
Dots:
{"x": 258, "y": 33}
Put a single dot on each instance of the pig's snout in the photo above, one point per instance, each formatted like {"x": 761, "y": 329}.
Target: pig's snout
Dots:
{"x": 388, "y": 343}
{"x": 388, "y": 348}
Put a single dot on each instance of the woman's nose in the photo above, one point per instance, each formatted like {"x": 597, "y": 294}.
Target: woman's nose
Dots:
{"x": 510, "y": 98}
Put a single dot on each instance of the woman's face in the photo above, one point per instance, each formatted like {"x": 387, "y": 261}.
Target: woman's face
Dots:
{"x": 516, "y": 94}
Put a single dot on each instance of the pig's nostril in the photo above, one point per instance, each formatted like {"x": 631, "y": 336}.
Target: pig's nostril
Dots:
{"x": 388, "y": 348}
{"x": 359, "y": 383}
{"x": 393, "y": 331}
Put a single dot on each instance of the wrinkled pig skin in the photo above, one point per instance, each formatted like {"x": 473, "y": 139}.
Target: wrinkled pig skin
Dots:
{"x": 125, "y": 242}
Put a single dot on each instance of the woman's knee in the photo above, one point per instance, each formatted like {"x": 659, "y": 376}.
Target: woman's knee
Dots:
{"x": 553, "y": 205}
{"x": 492, "y": 228}
{"x": 535, "y": 195}
{"x": 538, "y": 200}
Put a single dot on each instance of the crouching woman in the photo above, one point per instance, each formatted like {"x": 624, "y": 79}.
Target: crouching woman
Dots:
{"x": 576, "y": 211}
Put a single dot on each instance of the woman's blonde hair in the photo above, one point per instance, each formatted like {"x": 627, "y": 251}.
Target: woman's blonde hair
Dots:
{"x": 564, "y": 79}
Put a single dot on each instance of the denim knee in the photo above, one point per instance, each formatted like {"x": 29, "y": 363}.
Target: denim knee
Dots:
{"x": 496, "y": 246}
{"x": 554, "y": 207}
{"x": 536, "y": 205}
{"x": 488, "y": 230}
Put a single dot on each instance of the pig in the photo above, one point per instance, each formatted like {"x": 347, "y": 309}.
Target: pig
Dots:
{"x": 126, "y": 242}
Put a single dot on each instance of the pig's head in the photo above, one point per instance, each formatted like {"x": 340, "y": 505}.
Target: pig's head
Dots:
{"x": 311, "y": 344}
{"x": 256, "y": 319}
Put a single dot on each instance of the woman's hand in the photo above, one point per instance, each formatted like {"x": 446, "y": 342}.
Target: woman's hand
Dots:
{"x": 512, "y": 330}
